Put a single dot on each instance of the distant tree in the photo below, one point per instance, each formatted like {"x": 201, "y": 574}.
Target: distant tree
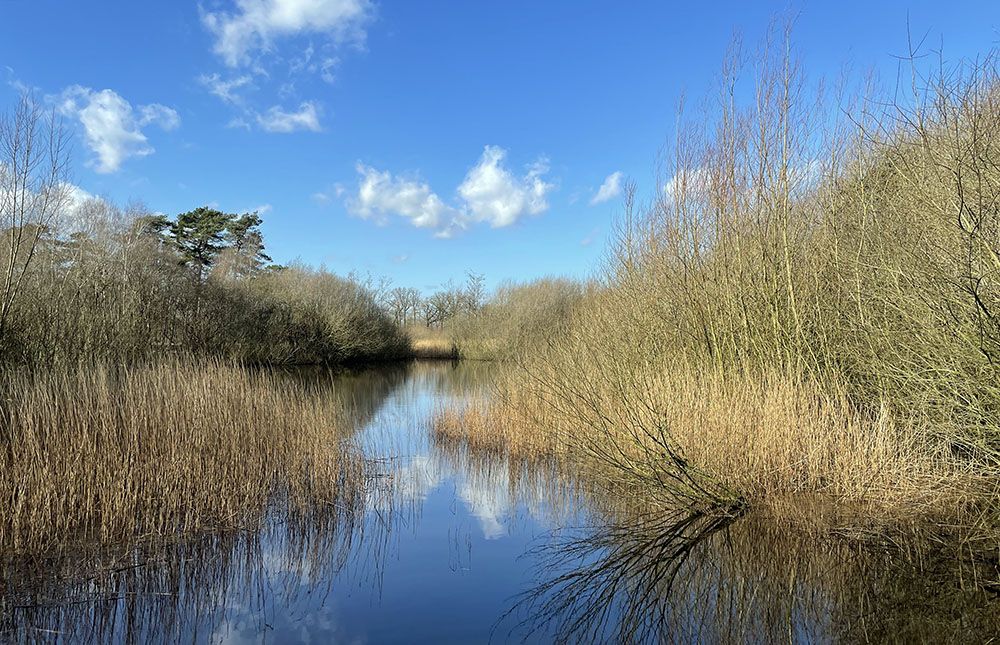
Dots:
{"x": 200, "y": 236}
{"x": 34, "y": 159}
{"x": 245, "y": 254}
{"x": 157, "y": 225}
{"x": 403, "y": 303}
{"x": 473, "y": 296}
{"x": 411, "y": 304}
{"x": 206, "y": 238}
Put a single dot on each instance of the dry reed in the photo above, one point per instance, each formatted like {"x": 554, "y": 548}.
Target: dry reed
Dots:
{"x": 111, "y": 454}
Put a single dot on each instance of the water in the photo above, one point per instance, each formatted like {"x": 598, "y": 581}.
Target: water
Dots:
{"x": 451, "y": 546}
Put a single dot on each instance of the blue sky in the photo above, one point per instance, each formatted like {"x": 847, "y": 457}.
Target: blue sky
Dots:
{"x": 415, "y": 140}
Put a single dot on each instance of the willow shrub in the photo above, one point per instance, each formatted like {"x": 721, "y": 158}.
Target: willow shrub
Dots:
{"x": 808, "y": 305}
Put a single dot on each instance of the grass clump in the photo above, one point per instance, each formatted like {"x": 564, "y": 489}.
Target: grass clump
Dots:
{"x": 432, "y": 343}
{"x": 110, "y": 454}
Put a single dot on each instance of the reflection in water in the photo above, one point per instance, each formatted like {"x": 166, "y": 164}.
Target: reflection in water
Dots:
{"x": 210, "y": 588}
{"x": 447, "y": 544}
{"x": 695, "y": 579}
{"x": 615, "y": 582}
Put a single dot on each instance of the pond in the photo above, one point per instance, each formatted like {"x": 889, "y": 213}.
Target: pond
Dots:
{"x": 447, "y": 545}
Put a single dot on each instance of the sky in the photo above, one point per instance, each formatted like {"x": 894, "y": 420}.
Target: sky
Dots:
{"x": 415, "y": 140}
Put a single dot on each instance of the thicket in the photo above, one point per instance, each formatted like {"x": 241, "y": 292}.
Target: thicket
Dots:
{"x": 106, "y": 283}
{"x": 808, "y": 305}
{"x": 516, "y": 317}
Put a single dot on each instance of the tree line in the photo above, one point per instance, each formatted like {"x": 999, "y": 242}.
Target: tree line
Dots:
{"x": 96, "y": 281}
{"x": 85, "y": 280}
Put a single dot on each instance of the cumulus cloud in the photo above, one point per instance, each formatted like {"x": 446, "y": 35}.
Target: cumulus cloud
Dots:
{"x": 253, "y": 26}
{"x": 112, "y": 128}
{"x": 380, "y": 195}
{"x": 611, "y": 188}
{"x": 489, "y": 193}
{"x": 493, "y": 194}
{"x": 276, "y": 119}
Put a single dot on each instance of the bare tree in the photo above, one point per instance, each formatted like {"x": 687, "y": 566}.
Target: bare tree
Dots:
{"x": 474, "y": 294}
{"x": 34, "y": 159}
{"x": 403, "y": 303}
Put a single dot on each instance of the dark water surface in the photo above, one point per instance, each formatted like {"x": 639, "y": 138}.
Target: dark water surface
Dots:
{"x": 449, "y": 546}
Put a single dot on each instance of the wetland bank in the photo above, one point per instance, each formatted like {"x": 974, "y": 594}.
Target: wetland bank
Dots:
{"x": 772, "y": 414}
{"x": 447, "y": 543}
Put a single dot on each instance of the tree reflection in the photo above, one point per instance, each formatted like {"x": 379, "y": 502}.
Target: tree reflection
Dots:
{"x": 704, "y": 578}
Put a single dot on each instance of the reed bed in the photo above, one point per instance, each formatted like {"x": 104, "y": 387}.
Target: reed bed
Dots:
{"x": 718, "y": 442}
{"x": 434, "y": 348}
{"x": 109, "y": 454}
{"x": 488, "y": 430}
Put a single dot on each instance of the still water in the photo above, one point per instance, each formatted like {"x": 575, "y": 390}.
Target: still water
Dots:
{"x": 446, "y": 545}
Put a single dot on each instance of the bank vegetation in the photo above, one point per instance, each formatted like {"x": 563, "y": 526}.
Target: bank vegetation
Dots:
{"x": 806, "y": 308}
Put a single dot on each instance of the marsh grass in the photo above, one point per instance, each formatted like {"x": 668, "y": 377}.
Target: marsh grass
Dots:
{"x": 434, "y": 348}
{"x": 112, "y": 454}
{"x": 428, "y": 343}
{"x": 716, "y": 444}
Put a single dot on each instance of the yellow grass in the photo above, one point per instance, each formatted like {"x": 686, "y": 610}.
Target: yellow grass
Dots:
{"x": 434, "y": 348}
{"x": 431, "y": 343}
{"x": 111, "y": 454}
{"x": 768, "y": 441}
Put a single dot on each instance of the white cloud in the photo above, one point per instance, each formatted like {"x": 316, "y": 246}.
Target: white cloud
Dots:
{"x": 326, "y": 69}
{"x": 309, "y": 63}
{"x": 255, "y": 25}
{"x": 277, "y": 119}
{"x": 166, "y": 118}
{"x": 687, "y": 183}
{"x": 611, "y": 188}
{"x": 226, "y": 89}
{"x": 111, "y": 127}
{"x": 489, "y": 193}
{"x": 380, "y": 194}
{"x": 493, "y": 194}
{"x": 238, "y": 122}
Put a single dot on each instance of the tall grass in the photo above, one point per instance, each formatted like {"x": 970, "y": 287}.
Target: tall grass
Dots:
{"x": 806, "y": 306}
{"x": 431, "y": 343}
{"x": 112, "y": 454}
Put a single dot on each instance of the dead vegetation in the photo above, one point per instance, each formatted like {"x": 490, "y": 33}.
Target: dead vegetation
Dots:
{"x": 115, "y": 454}
{"x": 807, "y": 306}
